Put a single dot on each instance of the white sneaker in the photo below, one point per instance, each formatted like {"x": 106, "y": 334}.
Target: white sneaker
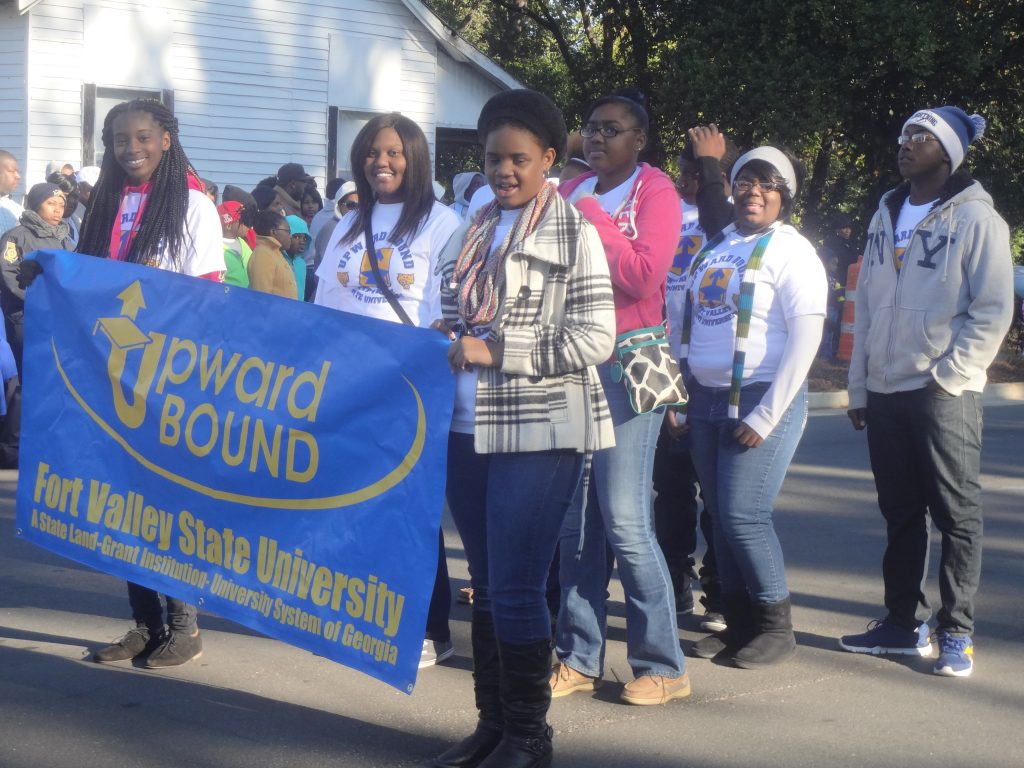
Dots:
{"x": 435, "y": 651}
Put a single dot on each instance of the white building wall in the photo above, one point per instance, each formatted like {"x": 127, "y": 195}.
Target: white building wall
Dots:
{"x": 461, "y": 93}
{"x": 13, "y": 58}
{"x": 251, "y": 78}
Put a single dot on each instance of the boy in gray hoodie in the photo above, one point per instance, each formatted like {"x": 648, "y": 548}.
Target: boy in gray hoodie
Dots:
{"x": 934, "y": 300}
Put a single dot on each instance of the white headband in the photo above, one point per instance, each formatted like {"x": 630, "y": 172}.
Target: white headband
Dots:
{"x": 773, "y": 157}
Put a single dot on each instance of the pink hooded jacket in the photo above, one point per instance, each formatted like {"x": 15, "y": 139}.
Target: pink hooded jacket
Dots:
{"x": 639, "y": 244}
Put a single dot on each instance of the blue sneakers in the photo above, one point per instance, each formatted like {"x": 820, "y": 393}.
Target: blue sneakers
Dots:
{"x": 956, "y": 655}
{"x": 885, "y": 637}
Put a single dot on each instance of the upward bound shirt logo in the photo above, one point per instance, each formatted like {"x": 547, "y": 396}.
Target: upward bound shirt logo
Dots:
{"x": 910, "y": 216}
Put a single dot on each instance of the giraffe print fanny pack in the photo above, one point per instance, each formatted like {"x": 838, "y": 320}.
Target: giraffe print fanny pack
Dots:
{"x": 644, "y": 363}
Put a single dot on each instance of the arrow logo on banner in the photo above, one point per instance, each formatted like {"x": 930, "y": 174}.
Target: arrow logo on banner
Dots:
{"x": 131, "y": 300}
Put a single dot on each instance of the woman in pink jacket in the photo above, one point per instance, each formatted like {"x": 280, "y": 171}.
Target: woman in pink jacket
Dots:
{"x": 635, "y": 209}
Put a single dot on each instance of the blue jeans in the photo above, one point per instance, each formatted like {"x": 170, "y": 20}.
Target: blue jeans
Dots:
{"x": 509, "y": 508}
{"x": 740, "y": 485}
{"x": 926, "y": 458}
{"x": 618, "y": 510}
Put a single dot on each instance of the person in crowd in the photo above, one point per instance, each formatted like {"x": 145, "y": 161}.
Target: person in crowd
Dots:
{"x": 396, "y": 280}
{"x": 236, "y": 249}
{"x": 10, "y": 178}
{"x": 464, "y": 185}
{"x": 270, "y": 268}
{"x": 266, "y": 200}
{"x": 755, "y": 305}
{"x": 86, "y": 179}
{"x": 299, "y": 253}
{"x": 348, "y": 200}
{"x": 69, "y": 186}
{"x": 934, "y": 300}
{"x": 211, "y": 190}
{"x": 328, "y": 211}
{"x": 526, "y": 290}
{"x": 573, "y": 167}
{"x": 248, "y": 213}
{"x": 311, "y": 204}
{"x": 10, "y": 420}
{"x": 635, "y": 209}
{"x": 839, "y": 243}
{"x": 57, "y": 166}
{"x": 148, "y": 207}
{"x": 836, "y": 299}
{"x": 292, "y": 181}
{"x": 42, "y": 226}
{"x": 707, "y": 153}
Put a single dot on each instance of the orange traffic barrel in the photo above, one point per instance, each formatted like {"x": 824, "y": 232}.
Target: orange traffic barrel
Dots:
{"x": 845, "y": 351}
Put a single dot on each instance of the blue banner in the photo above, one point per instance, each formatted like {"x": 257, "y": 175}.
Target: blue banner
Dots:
{"x": 277, "y": 463}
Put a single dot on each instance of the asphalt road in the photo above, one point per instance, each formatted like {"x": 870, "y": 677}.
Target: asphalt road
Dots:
{"x": 250, "y": 701}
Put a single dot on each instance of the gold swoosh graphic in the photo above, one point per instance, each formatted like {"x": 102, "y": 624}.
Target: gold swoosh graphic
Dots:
{"x": 390, "y": 480}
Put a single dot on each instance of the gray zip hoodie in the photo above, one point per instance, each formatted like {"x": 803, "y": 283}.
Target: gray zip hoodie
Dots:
{"x": 944, "y": 315}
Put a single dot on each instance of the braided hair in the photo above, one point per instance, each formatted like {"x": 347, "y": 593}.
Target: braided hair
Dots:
{"x": 163, "y": 217}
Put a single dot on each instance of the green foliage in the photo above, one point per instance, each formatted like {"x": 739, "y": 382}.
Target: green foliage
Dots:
{"x": 833, "y": 81}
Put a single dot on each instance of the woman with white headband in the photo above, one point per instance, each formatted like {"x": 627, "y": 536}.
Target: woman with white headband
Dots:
{"x": 752, "y": 324}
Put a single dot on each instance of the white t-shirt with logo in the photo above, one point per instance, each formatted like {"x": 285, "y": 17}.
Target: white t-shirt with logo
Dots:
{"x": 347, "y": 281}
{"x": 203, "y": 235}
{"x": 910, "y": 216}
{"x": 691, "y": 240}
{"x": 790, "y": 283}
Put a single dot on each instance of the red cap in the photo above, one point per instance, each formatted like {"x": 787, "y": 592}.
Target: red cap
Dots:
{"x": 230, "y": 212}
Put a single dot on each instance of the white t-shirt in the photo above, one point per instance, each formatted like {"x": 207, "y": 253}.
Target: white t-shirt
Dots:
{"x": 611, "y": 200}
{"x": 464, "y": 415}
{"x": 910, "y": 216}
{"x": 691, "y": 240}
{"x": 203, "y": 235}
{"x": 790, "y": 283}
{"x": 347, "y": 281}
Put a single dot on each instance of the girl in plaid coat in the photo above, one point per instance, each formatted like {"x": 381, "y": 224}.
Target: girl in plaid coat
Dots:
{"x": 525, "y": 287}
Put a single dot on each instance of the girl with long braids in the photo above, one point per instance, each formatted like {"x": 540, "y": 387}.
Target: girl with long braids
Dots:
{"x": 149, "y": 207}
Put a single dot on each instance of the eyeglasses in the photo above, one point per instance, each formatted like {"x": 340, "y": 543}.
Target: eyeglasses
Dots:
{"x": 286, "y": 230}
{"x": 608, "y": 131}
{"x": 351, "y": 205}
{"x": 743, "y": 187}
{"x": 917, "y": 138}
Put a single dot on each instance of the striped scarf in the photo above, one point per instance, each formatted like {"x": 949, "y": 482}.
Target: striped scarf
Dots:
{"x": 479, "y": 277}
{"x": 743, "y": 311}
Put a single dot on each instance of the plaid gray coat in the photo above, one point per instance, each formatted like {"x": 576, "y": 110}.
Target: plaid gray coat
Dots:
{"x": 557, "y": 321}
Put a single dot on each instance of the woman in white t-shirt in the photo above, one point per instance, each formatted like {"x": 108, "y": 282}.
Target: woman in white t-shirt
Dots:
{"x": 755, "y": 306}
{"x": 408, "y": 228}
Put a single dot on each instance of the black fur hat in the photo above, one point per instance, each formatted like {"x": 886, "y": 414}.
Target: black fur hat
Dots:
{"x": 531, "y": 109}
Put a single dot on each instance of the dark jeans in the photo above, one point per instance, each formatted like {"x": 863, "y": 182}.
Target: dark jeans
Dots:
{"x": 147, "y": 610}
{"x": 925, "y": 450}
{"x": 675, "y": 518}
{"x": 509, "y": 508}
{"x": 441, "y": 599}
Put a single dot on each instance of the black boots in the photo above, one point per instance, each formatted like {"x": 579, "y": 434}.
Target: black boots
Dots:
{"x": 774, "y": 641}
{"x": 472, "y": 750}
{"x": 738, "y": 632}
{"x": 525, "y": 698}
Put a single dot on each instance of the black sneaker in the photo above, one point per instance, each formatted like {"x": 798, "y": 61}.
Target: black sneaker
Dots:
{"x": 684, "y": 602}
{"x": 136, "y": 643}
{"x": 713, "y": 621}
{"x": 178, "y": 648}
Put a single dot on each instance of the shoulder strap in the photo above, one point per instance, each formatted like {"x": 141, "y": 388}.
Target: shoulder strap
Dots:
{"x": 382, "y": 286}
